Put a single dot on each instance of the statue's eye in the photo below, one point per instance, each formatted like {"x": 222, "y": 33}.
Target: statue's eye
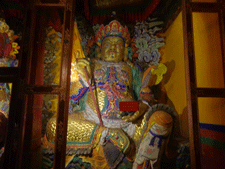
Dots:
{"x": 119, "y": 46}
{"x": 107, "y": 45}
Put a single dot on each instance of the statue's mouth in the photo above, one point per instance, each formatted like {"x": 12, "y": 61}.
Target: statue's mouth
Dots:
{"x": 112, "y": 51}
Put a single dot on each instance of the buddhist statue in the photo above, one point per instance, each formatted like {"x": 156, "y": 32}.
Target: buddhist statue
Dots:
{"x": 99, "y": 128}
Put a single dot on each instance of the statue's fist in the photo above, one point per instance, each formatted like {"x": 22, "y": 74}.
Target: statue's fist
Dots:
{"x": 143, "y": 108}
{"x": 83, "y": 65}
{"x": 131, "y": 117}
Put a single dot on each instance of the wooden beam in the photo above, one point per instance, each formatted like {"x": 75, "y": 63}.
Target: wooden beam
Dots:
{"x": 39, "y": 89}
{"x": 205, "y": 7}
{"x": 222, "y": 34}
{"x": 56, "y": 5}
{"x": 211, "y": 92}
{"x": 9, "y": 71}
{"x": 63, "y": 106}
{"x": 190, "y": 74}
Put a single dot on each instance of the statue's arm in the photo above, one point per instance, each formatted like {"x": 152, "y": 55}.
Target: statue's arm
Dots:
{"x": 79, "y": 86}
{"x": 83, "y": 67}
{"x": 142, "y": 91}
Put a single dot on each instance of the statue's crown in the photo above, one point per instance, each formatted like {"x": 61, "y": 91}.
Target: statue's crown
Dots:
{"x": 114, "y": 28}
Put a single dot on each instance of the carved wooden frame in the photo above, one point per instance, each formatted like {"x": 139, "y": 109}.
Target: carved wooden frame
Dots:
{"x": 28, "y": 88}
{"x": 193, "y": 92}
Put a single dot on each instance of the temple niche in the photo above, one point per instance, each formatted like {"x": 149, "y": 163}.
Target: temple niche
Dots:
{"x": 110, "y": 84}
{"x": 107, "y": 130}
{"x": 129, "y": 111}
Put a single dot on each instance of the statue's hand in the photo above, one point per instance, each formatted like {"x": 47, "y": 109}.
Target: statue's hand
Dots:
{"x": 131, "y": 118}
{"x": 143, "y": 108}
{"x": 83, "y": 64}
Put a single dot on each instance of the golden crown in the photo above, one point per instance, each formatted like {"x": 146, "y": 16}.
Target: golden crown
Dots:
{"x": 114, "y": 28}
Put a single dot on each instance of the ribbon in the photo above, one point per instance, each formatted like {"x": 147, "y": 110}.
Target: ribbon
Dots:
{"x": 156, "y": 136}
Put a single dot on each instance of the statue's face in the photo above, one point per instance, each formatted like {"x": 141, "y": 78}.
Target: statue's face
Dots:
{"x": 112, "y": 49}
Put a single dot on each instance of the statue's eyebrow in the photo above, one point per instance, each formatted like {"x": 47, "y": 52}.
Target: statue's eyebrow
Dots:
{"x": 111, "y": 41}
{"x": 119, "y": 40}
{"x": 105, "y": 41}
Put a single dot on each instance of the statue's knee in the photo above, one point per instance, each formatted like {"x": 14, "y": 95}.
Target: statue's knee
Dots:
{"x": 79, "y": 129}
{"x": 51, "y": 129}
{"x": 161, "y": 118}
{"x": 157, "y": 135}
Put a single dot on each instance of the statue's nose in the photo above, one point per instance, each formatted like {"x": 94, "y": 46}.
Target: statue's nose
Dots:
{"x": 113, "y": 46}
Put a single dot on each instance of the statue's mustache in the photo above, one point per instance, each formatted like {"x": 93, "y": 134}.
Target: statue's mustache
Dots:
{"x": 112, "y": 51}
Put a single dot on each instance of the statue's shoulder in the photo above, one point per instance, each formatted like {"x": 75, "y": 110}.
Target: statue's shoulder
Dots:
{"x": 135, "y": 68}
{"x": 97, "y": 64}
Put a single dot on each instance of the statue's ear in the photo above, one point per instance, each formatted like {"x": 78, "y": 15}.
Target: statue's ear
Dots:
{"x": 125, "y": 54}
{"x": 98, "y": 52}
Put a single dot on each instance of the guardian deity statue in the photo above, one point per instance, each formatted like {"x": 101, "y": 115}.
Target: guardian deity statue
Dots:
{"x": 99, "y": 127}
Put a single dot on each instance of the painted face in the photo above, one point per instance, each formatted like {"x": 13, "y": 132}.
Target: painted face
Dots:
{"x": 112, "y": 49}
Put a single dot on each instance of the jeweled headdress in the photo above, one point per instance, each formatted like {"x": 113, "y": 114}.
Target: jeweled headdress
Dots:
{"x": 114, "y": 28}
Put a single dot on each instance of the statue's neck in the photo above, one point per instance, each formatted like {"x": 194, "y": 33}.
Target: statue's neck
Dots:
{"x": 110, "y": 62}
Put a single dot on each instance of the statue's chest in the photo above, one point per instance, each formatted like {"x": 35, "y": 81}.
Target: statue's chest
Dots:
{"x": 113, "y": 82}
{"x": 113, "y": 73}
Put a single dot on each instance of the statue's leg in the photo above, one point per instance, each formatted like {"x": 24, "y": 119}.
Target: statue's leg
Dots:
{"x": 115, "y": 144}
{"x": 82, "y": 135}
{"x": 154, "y": 140}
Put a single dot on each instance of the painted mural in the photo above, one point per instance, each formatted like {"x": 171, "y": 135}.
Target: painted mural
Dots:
{"x": 8, "y": 46}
